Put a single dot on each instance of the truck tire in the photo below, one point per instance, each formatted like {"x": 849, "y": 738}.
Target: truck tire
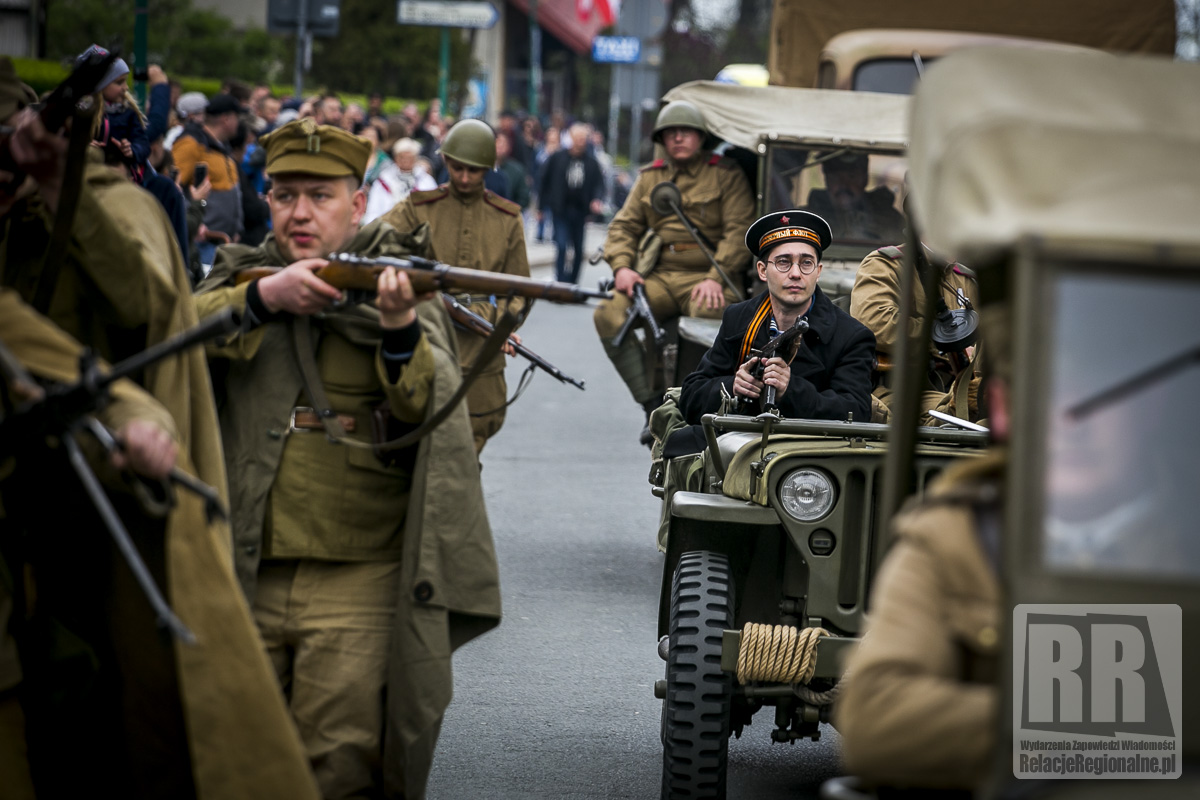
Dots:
{"x": 696, "y": 709}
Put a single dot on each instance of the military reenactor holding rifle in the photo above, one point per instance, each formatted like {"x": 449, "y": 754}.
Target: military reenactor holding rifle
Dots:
{"x": 472, "y": 227}
{"x": 139, "y": 711}
{"x": 655, "y": 250}
{"x": 338, "y": 549}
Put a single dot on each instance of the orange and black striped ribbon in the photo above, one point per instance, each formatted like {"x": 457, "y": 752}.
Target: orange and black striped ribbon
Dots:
{"x": 760, "y": 316}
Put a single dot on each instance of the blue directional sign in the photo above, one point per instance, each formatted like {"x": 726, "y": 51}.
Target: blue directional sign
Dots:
{"x": 616, "y": 49}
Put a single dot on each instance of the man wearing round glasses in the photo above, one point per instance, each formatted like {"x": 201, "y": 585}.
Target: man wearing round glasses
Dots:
{"x": 830, "y": 375}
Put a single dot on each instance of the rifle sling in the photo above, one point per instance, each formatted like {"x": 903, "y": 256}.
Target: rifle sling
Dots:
{"x": 64, "y": 220}
{"x": 305, "y": 353}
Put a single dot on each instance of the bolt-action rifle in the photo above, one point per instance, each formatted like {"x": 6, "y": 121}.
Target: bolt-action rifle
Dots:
{"x": 360, "y": 273}
{"x": 59, "y": 411}
{"x": 468, "y": 320}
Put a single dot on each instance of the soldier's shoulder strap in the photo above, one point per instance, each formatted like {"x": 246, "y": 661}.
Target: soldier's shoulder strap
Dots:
{"x": 895, "y": 252}
{"x": 657, "y": 163}
{"x": 724, "y": 162}
{"x": 496, "y": 201}
{"x": 429, "y": 195}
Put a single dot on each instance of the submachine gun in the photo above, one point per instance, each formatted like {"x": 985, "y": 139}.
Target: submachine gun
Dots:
{"x": 785, "y": 345}
{"x": 58, "y": 412}
{"x": 665, "y": 199}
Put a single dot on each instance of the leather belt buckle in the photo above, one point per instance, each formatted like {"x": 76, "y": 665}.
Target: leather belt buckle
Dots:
{"x": 292, "y": 419}
{"x": 305, "y": 419}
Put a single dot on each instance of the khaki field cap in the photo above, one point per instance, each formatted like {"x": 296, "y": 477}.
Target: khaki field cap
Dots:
{"x": 306, "y": 147}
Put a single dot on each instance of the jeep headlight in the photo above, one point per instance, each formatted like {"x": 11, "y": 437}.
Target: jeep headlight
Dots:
{"x": 807, "y": 494}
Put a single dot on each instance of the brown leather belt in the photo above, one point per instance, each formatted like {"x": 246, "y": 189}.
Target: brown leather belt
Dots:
{"x": 679, "y": 247}
{"x": 304, "y": 419}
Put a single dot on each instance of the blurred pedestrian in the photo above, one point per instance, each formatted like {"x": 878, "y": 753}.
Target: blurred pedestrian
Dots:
{"x": 571, "y": 186}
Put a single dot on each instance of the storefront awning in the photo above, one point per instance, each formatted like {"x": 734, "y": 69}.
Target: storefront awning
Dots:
{"x": 560, "y": 19}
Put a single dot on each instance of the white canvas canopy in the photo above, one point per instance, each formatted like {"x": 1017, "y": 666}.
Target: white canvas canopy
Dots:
{"x": 744, "y": 116}
{"x": 1090, "y": 151}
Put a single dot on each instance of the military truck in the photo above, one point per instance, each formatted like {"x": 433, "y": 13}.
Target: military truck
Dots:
{"x": 807, "y": 47}
{"x": 1069, "y": 181}
{"x": 772, "y": 535}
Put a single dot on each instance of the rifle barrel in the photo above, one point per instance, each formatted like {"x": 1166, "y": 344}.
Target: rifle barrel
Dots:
{"x": 226, "y": 321}
{"x": 447, "y": 278}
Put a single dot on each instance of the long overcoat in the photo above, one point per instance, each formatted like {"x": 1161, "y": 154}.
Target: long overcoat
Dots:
{"x": 450, "y": 590}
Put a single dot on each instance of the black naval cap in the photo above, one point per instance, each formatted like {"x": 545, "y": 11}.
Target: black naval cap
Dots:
{"x": 788, "y": 226}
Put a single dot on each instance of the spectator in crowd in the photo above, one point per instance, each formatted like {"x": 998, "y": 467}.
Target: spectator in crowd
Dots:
{"x": 571, "y": 186}
{"x": 188, "y": 108}
{"x": 256, "y": 214}
{"x": 375, "y": 107}
{"x": 549, "y": 147}
{"x": 208, "y": 143}
{"x": 155, "y": 180}
{"x": 513, "y": 171}
{"x": 510, "y": 128}
{"x": 269, "y": 110}
{"x": 176, "y": 92}
{"x": 327, "y": 110}
{"x": 260, "y": 92}
{"x": 397, "y": 179}
{"x": 596, "y": 148}
{"x": 354, "y": 118}
{"x": 119, "y": 121}
{"x": 237, "y": 89}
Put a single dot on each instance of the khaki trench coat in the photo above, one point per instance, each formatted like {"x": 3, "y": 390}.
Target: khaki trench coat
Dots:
{"x": 124, "y": 287}
{"x": 241, "y": 741}
{"x": 450, "y": 588}
{"x": 920, "y": 702}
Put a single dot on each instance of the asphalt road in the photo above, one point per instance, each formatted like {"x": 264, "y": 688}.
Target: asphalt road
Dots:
{"x": 557, "y": 702}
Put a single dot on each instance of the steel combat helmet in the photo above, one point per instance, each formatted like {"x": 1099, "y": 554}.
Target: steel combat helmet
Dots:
{"x": 471, "y": 142}
{"x": 679, "y": 114}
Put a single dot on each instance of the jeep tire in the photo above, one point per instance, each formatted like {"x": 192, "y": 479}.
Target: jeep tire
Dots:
{"x": 696, "y": 710}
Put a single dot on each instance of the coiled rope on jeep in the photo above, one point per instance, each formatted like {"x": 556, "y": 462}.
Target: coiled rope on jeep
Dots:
{"x": 782, "y": 654}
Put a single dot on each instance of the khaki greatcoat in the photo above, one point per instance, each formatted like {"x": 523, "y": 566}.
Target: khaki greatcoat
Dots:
{"x": 449, "y": 579}
{"x": 122, "y": 288}
{"x": 875, "y": 302}
{"x": 920, "y": 702}
{"x": 716, "y": 197}
{"x": 478, "y": 231}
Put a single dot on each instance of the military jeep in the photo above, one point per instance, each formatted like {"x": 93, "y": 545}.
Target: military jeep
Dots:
{"x": 772, "y": 541}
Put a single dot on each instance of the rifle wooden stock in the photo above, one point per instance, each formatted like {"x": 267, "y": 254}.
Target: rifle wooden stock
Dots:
{"x": 361, "y": 274}
{"x": 471, "y": 321}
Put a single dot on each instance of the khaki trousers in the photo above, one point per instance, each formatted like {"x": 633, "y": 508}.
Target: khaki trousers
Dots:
{"x": 327, "y": 627}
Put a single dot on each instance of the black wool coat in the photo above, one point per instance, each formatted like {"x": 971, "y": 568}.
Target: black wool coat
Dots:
{"x": 831, "y": 374}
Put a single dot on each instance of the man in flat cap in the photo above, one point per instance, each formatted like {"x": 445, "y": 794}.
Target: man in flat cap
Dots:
{"x": 206, "y": 141}
{"x": 339, "y": 552}
{"x": 830, "y": 376}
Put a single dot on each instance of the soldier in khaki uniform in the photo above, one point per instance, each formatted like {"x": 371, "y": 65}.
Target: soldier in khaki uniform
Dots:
{"x": 201, "y": 720}
{"x": 680, "y": 281}
{"x": 920, "y": 704}
{"x": 341, "y": 555}
{"x": 472, "y": 227}
{"x": 875, "y": 302}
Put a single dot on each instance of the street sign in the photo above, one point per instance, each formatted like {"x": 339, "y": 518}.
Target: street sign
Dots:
{"x": 450, "y": 14}
{"x": 616, "y": 49}
{"x": 322, "y": 16}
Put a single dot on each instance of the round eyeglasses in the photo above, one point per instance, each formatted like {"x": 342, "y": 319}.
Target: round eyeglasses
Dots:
{"x": 785, "y": 263}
